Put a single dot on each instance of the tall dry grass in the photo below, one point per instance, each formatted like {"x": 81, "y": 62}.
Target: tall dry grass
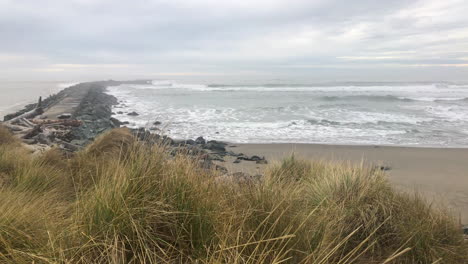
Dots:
{"x": 120, "y": 201}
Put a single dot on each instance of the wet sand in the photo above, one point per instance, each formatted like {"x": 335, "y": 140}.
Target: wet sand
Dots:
{"x": 440, "y": 174}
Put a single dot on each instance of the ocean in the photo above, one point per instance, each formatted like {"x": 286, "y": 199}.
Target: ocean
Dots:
{"x": 403, "y": 114}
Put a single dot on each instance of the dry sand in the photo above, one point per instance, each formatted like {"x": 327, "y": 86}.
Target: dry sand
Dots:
{"x": 440, "y": 174}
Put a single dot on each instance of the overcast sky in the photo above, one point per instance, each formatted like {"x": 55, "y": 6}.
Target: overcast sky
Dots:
{"x": 314, "y": 40}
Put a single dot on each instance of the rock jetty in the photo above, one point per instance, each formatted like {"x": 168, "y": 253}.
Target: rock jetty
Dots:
{"x": 72, "y": 118}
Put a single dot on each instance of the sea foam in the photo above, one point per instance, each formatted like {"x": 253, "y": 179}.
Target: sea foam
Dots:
{"x": 391, "y": 114}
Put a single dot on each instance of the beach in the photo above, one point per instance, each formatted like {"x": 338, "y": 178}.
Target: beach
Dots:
{"x": 228, "y": 179}
{"x": 439, "y": 174}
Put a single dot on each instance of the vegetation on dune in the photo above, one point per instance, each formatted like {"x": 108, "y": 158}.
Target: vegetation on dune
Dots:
{"x": 122, "y": 201}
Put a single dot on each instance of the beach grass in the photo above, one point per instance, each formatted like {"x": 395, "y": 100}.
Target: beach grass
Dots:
{"x": 124, "y": 201}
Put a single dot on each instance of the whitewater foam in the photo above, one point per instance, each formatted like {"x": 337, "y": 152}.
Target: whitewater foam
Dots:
{"x": 400, "y": 114}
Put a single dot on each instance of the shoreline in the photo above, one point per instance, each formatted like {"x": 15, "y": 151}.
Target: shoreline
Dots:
{"x": 439, "y": 173}
{"x": 345, "y": 145}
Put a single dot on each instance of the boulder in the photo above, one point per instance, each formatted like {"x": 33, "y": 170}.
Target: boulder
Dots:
{"x": 200, "y": 141}
{"x": 157, "y": 123}
{"x": 64, "y": 116}
{"x": 215, "y": 146}
{"x": 255, "y": 158}
{"x": 115, "y": 122}
{"x": 133, "y": 114}
{"x": 189, "y": 142}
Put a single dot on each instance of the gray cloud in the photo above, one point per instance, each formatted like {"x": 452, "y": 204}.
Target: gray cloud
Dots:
{"x": 362, "y": 39}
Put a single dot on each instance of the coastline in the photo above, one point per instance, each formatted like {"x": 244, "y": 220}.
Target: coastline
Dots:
{"x": 439, "y": 174}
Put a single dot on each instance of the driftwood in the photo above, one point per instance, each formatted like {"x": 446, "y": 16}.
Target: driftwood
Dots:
{"x": 33, "y": 132}
{"x": 73, "y": 123}
{"x": 26, "y": 122}
{"x": 14, "y": 128}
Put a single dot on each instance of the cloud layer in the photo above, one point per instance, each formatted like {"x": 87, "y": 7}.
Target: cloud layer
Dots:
{"x": 294, "y": 39}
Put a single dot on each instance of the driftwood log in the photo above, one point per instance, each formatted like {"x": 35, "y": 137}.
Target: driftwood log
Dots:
{"x": 73, "y": 123}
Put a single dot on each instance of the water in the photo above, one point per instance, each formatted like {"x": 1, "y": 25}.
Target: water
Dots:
{"x": 426, "y": 114}
{"x": 15, "y": 95}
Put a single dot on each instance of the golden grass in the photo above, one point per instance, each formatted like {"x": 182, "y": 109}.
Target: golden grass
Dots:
{"x": 120, "y": 201}
{"x": 6, "y": 137}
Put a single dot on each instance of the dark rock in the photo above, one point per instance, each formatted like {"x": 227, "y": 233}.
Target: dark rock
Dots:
{"x": 133, "y": 113}
{"x": 184, "y": 142}
{"x": 243, "y": 157}
{"x": 115, "y": 122}
{"x": 465, "y": 230}
{"x": 125, "y": 123}
{"x": 215, "y": 146}
{"x": 157, "y": 123}
{"x": 141, "y": 133}
{"x": 64, "y": 116}
{"x": 255, "y": 158}
{"x": 263, "y": 161}
{"x": 119, "y": 112}
{"x": 190, "y": 142}
{"x": 167, "y": 140}
{"x": 237, "y": 160}
{"x": 385, "y": 168}
{"x": 200, "y": 141}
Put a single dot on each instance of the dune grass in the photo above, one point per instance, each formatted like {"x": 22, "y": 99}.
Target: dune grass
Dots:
{"x": 121, "y": 201}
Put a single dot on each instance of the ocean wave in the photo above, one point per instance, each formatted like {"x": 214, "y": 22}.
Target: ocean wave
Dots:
{"x": 365, "y": 90}
{"x": 385, "y": 98}
{"x": 392, "y": 98}
{"x": 359, "y": 123}
{"x": 451, "y": 99}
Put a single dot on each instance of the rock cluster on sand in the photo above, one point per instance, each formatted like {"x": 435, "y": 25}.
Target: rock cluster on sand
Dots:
{"x": 206, "y": 152}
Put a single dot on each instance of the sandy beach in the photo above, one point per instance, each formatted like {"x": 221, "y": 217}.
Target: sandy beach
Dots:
{"x": 440, "y": 174}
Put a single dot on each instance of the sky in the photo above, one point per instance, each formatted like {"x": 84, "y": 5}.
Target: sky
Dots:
{"x": 283, "y": 40}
